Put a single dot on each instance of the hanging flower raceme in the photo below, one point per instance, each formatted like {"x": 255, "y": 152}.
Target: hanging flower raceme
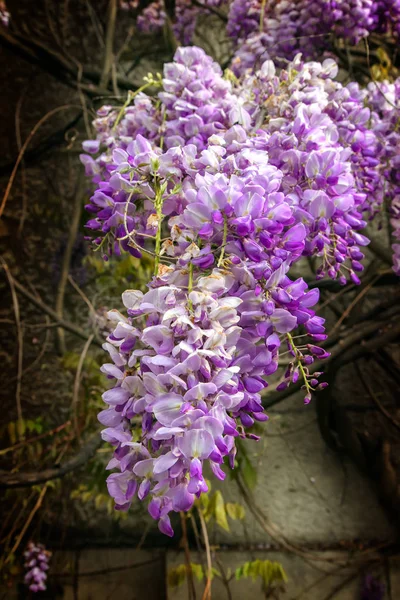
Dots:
{"x": 226, "y": 185}
{"x": 188, "y": 382}
{"x": 384, "y": 99}
{"x": 152, "y": 19}
{"x": 308, "y": 146}
{"x": 279, "y": 30}
{"x": 36, "y": 565}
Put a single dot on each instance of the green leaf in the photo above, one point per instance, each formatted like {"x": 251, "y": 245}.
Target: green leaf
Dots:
{"x": 197, "y": 571}
{"x": 272, "y": 573}
{"x": 220, "y": 512}
{"x": 235, "y": 511}
{"x": 12, "y": 432}
{"x": 21, "y": 428}
{"x": 177, "y": 576}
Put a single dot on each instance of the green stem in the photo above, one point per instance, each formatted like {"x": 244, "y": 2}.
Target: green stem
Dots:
{"x": 158, "y": 203}
{"x": 262, "y": 15}
{"x": 190, "y": 284}
{"x": 109, "y": 44}
{"x": 225, "y": 236}
{"x": 131, "y": 96}
{"x": 129, "y": 99}
{"x": 299, "y": 363}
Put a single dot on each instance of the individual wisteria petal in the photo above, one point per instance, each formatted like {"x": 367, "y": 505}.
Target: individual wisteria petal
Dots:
{"x": 196, "y": 443}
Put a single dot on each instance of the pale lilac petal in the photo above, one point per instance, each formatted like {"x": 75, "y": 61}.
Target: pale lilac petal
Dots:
{"x": 196, "y": 443}
{"x": 164, "y": 462}
{"x": 167, "y": 408}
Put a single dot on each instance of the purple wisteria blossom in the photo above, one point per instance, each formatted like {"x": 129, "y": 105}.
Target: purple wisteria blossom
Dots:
{"x": 4, "y": 14}
{"x": 315, "y": 156}
{"x": 384, "y": 99}
{"x": 226, "y": 185}
{"x": 279, "y": 30}
{"x": 191, "y": 378}
{"x": 372, "y": 589}
{"x": 36, "y": 565}
{"x": 153, "y": 18}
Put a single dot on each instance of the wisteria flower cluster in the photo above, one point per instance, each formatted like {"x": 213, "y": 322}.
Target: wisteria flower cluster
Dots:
{"x": 226, "y": 183}
{"x": 279, "y": 30}
{"x": 153, "y": 18}
{"x": 384, "y": 99}
{"x": 37, "y": 564}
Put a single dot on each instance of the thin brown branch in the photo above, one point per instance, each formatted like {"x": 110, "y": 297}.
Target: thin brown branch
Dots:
{"x": 42, "y": 352}
{"x": 189, "y": 572}
{"x": 144, "y": 563}
{"x": 77, "y": 382}
{"x": 109, "y": 45}
{"x": 26, "y": 524}
{"x": 26, "y": 144}
{"x": 207, "y": 590}
{"x": 49, "y": 143}
{"x": 354, "y": 303}
{"x": 73, "y": 231}
{"x": 49, "y": 311}
{"x": 19, "y": 146}
{"x": 375, "y": 398}
{"x": 35, "y": 439}
{"x": 345, "y": 349}
{"x": 20, "y": 340}
{"x": 35, "y": 53}
{"x": 28, "y": 479}
{"x": 211, "y": 9}
{"x": 82, "y": 295}
{"x": 380, "y": 251}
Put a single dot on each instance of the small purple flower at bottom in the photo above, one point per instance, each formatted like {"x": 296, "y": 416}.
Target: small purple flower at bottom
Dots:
{"x": 372, "y": 589}
{"x": 4, "y": 14}
{"x": 37, "y": 564}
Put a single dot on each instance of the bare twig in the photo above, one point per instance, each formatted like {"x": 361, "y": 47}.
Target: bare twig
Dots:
{"x": 76, "y": 214}
{"x": 333, "y": 593}
{"x": 189, "y": 572}
{"x": 352, "y": 304}
{"x": 97, "y": 27}
{"x": 109, "y": 45}
{"x": 82, "y": 295}
{"x": 42, "y": 351}
{"x": 49, "y": 311}
{"x": 380, "y": 251}
{"x": 207, "y": 590}
{"x": 19, "y": 145}
{"x": 77, "y": 382}
{"x": 54, "y": 64}
{"x": 375, "y": 398}
{"x": 35, "y": 439}
{"x": 224, "y": 578}
{"x": 350, "y": 347}
{"x": 143, "y": 563}
{"x": 25, "y": 145}
{"x": 211, "y": 9}
{"x": 27, "y": 523}
{"x": 28, "y": 479}
{"x": 48, "y": 143}
{"x": 20, "y": 340}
